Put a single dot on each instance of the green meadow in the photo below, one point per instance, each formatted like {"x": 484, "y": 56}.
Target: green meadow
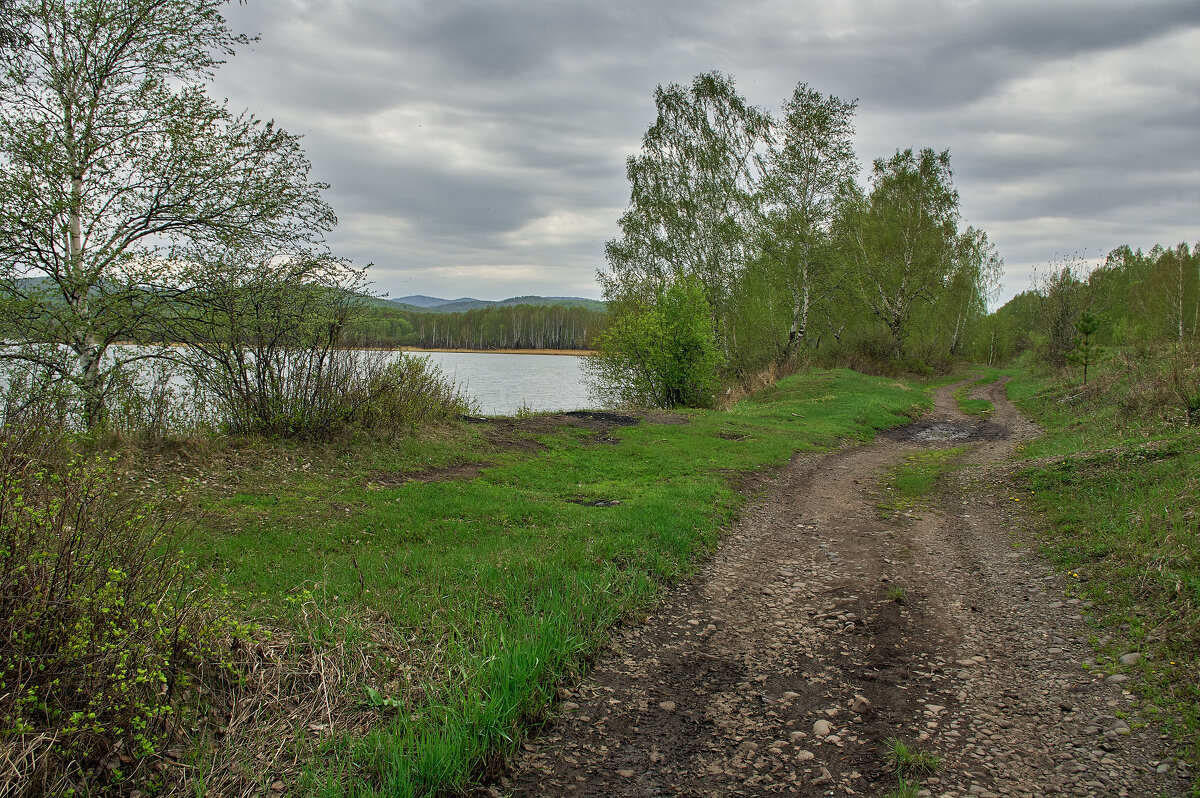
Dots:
{"x": 500, "y": 582}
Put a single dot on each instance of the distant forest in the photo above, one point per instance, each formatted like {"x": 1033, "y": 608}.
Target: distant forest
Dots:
{"x": 429, "y": 304}
{"x": 1135, "y": 298}
{"x": 496, "y": 327}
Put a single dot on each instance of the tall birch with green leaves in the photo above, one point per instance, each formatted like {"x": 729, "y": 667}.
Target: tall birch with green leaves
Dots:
{"x": 809, "y": 168}
{"x": 694, "y": 194}
{"x": 900, "y": 241}
{"x": 113, "y": 163}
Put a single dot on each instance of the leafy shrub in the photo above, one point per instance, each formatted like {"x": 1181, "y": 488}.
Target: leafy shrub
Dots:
{"x": 268, "y": 341}
{"x": 1185, "y": 379}
{"x": 28, "y": 391}
{"x": 660, "y": 353}
{"x": 154, "y": 402}
{"x": 102, "y": 627}
{"x": 392, "y": 392}
{"x": 314, "y": 394}
{"x": 867, "y": 351}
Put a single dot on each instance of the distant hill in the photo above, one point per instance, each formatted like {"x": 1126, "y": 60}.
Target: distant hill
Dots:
{"x": 377, "y": 302}
{"x": 428, "y": 304}
{"x": 422, "y": 301}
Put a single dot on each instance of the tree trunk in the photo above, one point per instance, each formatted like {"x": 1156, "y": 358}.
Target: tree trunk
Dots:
{"x": 1181, "y": 264}
{"x": 799, "y": 317}
{"x": 91, "y": 386}
{"x": 89, "y": 352}
{"x": 896, "y": 325}
{"x": 1196, "y": 319}
{"x": 959, "y": 326}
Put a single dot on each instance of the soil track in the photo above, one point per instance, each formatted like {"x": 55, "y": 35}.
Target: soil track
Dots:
{"x": 785, "y": 667}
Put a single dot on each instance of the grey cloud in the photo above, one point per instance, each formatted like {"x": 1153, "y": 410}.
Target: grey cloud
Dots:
{"x": 933, "y": 55}
{"x": 1079, "y": 193}
{"x": 547, "y": 98}
{"x": 492, "y": 42}
{"x": 443, "y": 204}
{"x": 1049, "y": 30}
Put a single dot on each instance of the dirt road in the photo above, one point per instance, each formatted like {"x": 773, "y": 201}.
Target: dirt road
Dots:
{"x": 789, "y": 662}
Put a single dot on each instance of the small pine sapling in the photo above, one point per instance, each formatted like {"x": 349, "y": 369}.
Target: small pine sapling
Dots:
{"x": 1086, "y": 349}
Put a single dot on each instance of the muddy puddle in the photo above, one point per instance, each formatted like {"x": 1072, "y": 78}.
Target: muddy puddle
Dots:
{"x": 938, "y": 431}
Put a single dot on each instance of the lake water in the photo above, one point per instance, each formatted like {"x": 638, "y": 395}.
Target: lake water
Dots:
{"x": 503, "y": 384}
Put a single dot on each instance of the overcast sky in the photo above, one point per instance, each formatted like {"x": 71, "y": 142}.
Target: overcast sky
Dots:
{"x": 478, "y": 149}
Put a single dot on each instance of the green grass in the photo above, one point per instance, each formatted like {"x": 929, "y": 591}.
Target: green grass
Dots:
{"x": 505, "y": 584}
{"x": 930, "y": 384}
{"x": 909, "y": 763}
{"x": 904, "y": 789}
{"x": 986, "y": 375}
{"x": 972, "y": 407}
{"x": 1121, "y": 490}
{"x": 909, "y": 484}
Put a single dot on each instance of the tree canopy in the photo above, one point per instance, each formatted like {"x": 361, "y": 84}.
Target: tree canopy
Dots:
{"x": 1135, "y": 298}
{"x": 694, "y": 193}
{"x": 115, "y": 166}
{"x": 765, "y": 212}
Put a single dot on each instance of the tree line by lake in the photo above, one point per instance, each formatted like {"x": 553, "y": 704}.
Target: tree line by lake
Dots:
{"x": 499, "y": 327}
{"x": 750, "y": 246}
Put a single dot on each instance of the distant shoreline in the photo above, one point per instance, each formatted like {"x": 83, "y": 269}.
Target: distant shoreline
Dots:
{"x": 576, "y": 352}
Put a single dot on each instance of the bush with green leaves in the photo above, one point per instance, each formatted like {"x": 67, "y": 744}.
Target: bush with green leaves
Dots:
{"x": 390, "y": 393}
{"x": 660, "y": 352}
{"x": 103, "y": 629}
{"x": 268, "y": 340}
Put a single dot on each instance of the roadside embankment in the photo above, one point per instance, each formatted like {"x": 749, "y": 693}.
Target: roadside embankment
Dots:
{"x": 1116, "y": 473}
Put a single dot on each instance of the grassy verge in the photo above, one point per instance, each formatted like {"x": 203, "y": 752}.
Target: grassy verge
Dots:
{"x": 462, "y": 602}
{"x": 909, "y": 483}
{"x": 1118, "y": 475}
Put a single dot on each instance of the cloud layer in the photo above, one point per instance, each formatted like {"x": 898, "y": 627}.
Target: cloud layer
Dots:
{"x": 478, "y": 148}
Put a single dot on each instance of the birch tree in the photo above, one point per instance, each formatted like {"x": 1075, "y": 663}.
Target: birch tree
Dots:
{"x": 974, "y": 278}
{"x": 113, "y": 162}
{"x": 808, "y": 168}
{"x": 901, "y": 239}
{"x": 694, "y": 210}
{"x": 694, "y": 193}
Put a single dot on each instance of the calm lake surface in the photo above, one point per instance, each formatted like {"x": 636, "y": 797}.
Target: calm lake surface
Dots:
{"x": 503, "y": 384}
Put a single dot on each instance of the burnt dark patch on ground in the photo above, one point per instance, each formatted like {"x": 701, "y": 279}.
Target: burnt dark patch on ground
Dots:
{"x": 602, "y": 420}
{"x": 461, "y": 473}
{"x": 596, "y": 502}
